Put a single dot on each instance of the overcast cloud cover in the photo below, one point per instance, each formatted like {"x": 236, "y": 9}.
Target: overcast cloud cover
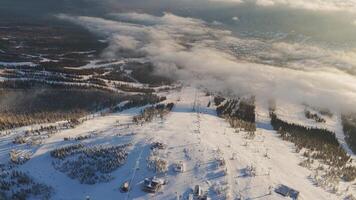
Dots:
{"x": 192, "y": 50}
{"x": 323, "y": 5}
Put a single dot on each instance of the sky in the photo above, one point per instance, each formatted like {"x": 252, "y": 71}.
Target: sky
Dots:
{"x": 303, "y": 51}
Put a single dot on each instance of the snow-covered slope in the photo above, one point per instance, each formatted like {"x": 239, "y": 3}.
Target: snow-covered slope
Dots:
{"x": 193, "y": 134}
{"x": 295, "y": 113}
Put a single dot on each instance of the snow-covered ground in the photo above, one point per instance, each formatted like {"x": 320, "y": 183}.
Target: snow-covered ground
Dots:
{"x": 97, "y": 64}
{"x": 15, "y": 64}
{"x": 193, "y": 134}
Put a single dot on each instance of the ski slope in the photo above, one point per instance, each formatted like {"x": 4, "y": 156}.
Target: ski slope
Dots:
{"x": 193, "y": 134}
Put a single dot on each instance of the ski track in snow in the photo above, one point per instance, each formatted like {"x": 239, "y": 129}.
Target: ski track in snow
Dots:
{"x": 205, "y": 137}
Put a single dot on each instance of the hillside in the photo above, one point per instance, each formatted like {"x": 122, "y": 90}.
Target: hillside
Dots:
{"x": 191, "y": 133}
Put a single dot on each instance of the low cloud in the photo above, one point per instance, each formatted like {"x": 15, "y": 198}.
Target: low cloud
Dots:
{"x": 194, "y": 52}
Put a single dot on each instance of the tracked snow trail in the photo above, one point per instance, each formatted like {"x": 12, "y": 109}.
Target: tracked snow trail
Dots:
{"x": 180, "y": 131}
{"x": 281, "y": 166}
{"x": 195, "y": 136}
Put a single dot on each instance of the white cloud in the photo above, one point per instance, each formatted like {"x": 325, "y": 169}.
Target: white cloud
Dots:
{"x": 216, "y": 23}
{"x": 265, "y": 2}
{"x": 188, "y": 49}
{"x": 228, "y": 1}
{"x": 125, "y": 42}
{"x": 327, "y": 5}
{"x": 235, "y": 18}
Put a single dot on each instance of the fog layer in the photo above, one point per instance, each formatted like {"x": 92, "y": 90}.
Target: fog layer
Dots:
{"x": 202, "y": 53}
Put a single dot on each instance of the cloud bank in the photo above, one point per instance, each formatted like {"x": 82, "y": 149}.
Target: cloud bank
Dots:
{"x": 319, "y": 5}
{"x": 194, "y": 52}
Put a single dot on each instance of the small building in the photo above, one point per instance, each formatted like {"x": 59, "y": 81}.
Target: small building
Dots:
{"x": 153, "y": 184}
{"x": 287, "y": 191}
{"x": 179, "y": 167}
{"x": 19, "y": 157}
{"x": 199, "y": 194}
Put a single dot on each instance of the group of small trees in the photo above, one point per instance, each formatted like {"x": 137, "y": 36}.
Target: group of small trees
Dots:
{"x": 154, "y": 161}
{"x": 140, "y": 100}
{"x": 249, "y": 171}
{"x": 65, "y": 151}
{"x": 157, "y": 164}
{"x": 314, "y": 116}
{"x": 218, "y": 100}
{"x": 89, "y": 165}
{"x": 17, "y": 185}
{"x": 150, "y": 112}
{"x": 131, "y": 88}
{"x": 36, "y": 136}
{"x": 79, "y": 138}
{"x": 239, "y": 113}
